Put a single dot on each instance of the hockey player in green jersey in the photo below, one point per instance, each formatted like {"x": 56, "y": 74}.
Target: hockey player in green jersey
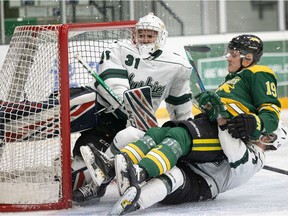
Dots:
{"x": 192, "y": 160}
{"x": 190, "y": 181}
{"x": 249, "y": 93}
{"x": 249, "y": 90}
{"x": 243, "y": 125}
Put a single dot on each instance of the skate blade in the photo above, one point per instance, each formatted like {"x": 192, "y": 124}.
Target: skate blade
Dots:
{"x": 130, "y": 196}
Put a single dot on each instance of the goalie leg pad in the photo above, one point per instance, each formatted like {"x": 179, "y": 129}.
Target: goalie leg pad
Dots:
{"x": 80, "y": 173}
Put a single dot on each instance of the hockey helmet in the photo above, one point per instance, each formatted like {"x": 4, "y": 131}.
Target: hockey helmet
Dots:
{"x": 278, "y": 137}
{"x": 247, "y": 44}
{"x": 151, "y": 22}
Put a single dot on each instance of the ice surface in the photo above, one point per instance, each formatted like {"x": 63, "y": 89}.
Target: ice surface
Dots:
{"x": 265, "y": 194}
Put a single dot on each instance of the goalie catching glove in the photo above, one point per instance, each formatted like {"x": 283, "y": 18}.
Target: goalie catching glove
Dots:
{"x": 210, "y": 103}
{"x": 245, "y": 126}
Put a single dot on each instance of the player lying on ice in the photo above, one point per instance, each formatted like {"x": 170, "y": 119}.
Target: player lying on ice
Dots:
{"x": 192, "y": 182}
{"x": 170, "y": 164}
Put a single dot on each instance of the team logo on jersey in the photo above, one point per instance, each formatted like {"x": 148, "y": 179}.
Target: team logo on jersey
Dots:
{"x": 156, "y": 89}
{"x": 230, "y": 84}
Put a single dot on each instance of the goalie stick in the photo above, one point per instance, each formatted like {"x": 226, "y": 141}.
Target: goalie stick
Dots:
{"x": 188, "y": 50}
{"x": 98, "y": 78}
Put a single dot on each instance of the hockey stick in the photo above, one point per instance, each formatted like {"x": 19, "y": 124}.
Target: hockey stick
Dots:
{"x": 98, "y": 78}
{"x": 277, "y": 170}
{"x": 201, "y": 49}
{"x": 188, "y": 50}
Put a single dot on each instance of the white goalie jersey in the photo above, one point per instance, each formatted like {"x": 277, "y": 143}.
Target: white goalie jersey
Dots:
{"x": 243, "y": 162}
{"x": 165, "y": 72}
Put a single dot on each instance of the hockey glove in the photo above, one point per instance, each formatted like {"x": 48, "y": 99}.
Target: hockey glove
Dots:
{"x": 210, "y": 103}
{"x": 245, "y": 126}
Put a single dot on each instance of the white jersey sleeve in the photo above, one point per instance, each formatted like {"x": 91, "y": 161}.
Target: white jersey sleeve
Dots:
{"x": 179, "y": 103}
{"x": 243, "y": 162}
{"x": 113, "y": 74}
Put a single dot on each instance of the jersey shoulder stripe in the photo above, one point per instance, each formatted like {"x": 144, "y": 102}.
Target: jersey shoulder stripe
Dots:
{"x": 114, "y": 73}
{"x": 261, "y": 69}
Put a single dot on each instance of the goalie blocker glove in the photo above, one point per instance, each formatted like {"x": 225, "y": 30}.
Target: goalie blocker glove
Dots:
{"x": 245, "y": 126}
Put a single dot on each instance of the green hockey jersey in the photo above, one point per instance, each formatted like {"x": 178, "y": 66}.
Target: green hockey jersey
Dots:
{"x": 253, "y": 91}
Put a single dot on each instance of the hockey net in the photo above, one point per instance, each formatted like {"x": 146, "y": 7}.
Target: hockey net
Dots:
{"x": 37, "y": 76}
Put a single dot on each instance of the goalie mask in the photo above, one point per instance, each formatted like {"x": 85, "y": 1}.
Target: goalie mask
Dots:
{"x": 277, "y": 138}
{"x": 154, "y": 38}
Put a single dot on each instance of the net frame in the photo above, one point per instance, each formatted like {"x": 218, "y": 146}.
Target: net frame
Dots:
{"x": 63, "y": 32}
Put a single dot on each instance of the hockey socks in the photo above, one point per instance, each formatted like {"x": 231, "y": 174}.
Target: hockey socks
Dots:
{"x": 162, "y": 157}
{"x": 138, "y": 149}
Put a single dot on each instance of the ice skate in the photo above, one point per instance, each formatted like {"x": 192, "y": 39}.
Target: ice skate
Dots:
{"x": 127, "y": 174}
{"x": 128, "y": 202}
{"x": 88, "y": 191}
{"x": 100, "y": 167}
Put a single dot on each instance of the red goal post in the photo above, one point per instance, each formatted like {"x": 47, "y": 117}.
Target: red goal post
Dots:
{"x": 35, "y": 109}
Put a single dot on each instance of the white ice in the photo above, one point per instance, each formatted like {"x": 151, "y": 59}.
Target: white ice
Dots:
{"x": 265, "y": 194}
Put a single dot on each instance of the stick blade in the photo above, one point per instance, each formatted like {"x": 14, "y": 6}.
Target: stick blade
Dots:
{"x": 196, "y": 48}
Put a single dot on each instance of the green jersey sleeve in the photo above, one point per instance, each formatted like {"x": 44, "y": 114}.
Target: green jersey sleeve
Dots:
{"x": 265, "y": 96}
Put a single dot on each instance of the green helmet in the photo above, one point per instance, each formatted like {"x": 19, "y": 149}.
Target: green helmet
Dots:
{"x": 247, "y": 44}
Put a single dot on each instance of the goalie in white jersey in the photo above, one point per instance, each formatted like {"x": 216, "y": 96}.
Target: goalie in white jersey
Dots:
{"x": 143, "y": 62}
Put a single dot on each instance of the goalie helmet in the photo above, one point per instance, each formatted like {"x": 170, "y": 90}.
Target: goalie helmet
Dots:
{"x": 247, "y": 44}
{"x": 151, "y": 22}
{"x": 278, "y": 137}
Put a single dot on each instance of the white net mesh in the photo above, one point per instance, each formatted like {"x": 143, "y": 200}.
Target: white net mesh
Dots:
{"x": 30, "y": 118}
